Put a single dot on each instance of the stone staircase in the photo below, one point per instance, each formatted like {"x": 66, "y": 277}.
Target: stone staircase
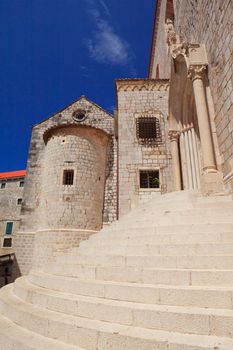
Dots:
{"x": 161, "y": 278}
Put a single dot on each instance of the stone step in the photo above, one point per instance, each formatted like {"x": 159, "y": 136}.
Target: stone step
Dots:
{"x": 184, "y": 205}
{"x": 159, "y": 261}
{"x": 154, "y": 249}
{"x": 154, "y": 238}
{"x": 197, "y": 320}
{"x": 167, "y": 220}
{"x": 146, "y": 228}
{"x": 212, "y": 297}
{"x": 208, "y": 212}
{"x": 174, "y": 276}
{"x": 87, "y": 332}
{"x": 14, "y": 337}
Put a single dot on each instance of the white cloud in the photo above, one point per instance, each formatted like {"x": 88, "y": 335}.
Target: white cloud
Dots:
{"x": 105, "y": 7}
{"x": 106, "y": 46}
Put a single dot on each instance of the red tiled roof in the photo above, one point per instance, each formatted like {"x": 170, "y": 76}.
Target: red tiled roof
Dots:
{"x": 11, "y": 174}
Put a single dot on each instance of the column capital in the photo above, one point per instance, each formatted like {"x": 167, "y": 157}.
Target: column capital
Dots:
{"x": 197, "y": 71}
{"x": 174, "y": 135}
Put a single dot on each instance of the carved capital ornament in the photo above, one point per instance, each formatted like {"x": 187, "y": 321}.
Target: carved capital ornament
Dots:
{"x": 174, "y": 135}
{"x": 196, "y": 72}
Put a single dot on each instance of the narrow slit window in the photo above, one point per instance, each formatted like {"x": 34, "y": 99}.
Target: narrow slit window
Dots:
{"x": 68, "y": 177}
{"x": 148, "y": 130}
{"x": 3, "y": 185}
{"x": 149, "y": 179}
{"x": 21, "y": 184}
{"x": 19, "y": 201}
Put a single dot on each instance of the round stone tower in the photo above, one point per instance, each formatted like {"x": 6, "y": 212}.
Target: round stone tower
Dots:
{"x": 70, "y": 173}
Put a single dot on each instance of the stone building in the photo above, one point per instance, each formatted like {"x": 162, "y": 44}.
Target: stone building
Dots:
{"x": 85, "y": 169}
{"x": 171, "y": 131}
{"x": 11, "y": 194}
{"x": 192, "y": 46}
{"x": 157, "y": 181}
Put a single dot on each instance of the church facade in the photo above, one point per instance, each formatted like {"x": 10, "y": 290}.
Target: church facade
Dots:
{"x": 171, "y": 131}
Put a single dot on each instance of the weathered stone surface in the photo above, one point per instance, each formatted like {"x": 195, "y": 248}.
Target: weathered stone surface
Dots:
{"x": 132, "y": 294}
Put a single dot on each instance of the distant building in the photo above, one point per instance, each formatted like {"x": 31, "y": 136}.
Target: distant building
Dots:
{"x": 11, "y": 196}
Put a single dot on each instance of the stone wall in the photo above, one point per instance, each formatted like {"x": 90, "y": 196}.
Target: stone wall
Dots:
{"x": 138, "y": 98}
{"x": 49, "y": 206}
{"x": 160, "y": 65}
{"x": 210, "y": 23}
{"x": 9, "y": 207}
{"x": 82, "y": 150}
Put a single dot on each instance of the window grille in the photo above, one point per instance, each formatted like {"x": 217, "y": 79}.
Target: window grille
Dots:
{"x": 149, "y": 179}
{"x": 7, "y": 242}
{"x": 19, "y": 201}
{"x": 3, "y": 185}
{"x": 148, "y": 130}
{"x": 21, "y": 184}
{"x": 68, "y": 177}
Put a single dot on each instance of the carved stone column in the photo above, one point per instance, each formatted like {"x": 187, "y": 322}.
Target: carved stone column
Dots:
{"x": 174, "y": 138}
{"x": 196, "y": 73}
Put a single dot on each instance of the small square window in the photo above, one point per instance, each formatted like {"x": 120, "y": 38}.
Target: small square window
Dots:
{"x": 149, "y": 179}
{"x": 7, "y": 242}
{"x": 19, "y": 201}
{"x": 68, "y": 177}
{"x": 9, "y": 228}
{"x": 21, "y": 184}
{"x": 3, "y": 185}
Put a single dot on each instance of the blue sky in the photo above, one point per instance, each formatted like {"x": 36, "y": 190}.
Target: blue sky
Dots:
{"x": 53, "y": 51}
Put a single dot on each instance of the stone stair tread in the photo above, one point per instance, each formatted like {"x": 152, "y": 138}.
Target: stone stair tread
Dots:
{"x": 172, "y": 244}
{"x": 134, "y": 284}
{"x": 110, "y": 254}
{"x": 170, "y": 269}
{"x": 113, "y": 302}
{"x": 25, "y": 339}
{"x": 174, "y": 230}
{"x": 141, "y": 306}
{"x": 202, "y": 341}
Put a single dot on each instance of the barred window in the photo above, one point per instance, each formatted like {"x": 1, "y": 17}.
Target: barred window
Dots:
{"x": 68, "y": 177}
{"x": 148, "y": 130}
{"x": 7, "y": 243}
{"x": 149, "y": 179}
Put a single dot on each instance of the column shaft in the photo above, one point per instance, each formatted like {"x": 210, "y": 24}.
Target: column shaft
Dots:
{"x": 174, "y": 137}
{"x": 203, "y": 120}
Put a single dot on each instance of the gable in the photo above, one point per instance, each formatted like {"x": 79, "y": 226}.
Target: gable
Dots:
{"x": 93, "y": 115}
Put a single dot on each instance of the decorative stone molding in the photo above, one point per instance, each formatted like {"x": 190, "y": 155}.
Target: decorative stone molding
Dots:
{"x": 142, "y": 85}
{"x": 196, "y": 71}
{"x": 174, "y": 135}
